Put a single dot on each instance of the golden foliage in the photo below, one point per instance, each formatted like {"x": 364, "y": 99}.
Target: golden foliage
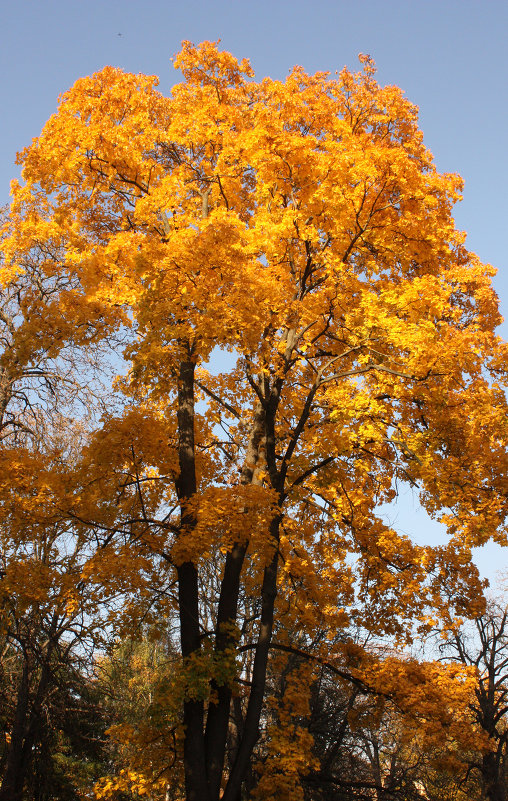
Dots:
{"x": 301, "y": 227}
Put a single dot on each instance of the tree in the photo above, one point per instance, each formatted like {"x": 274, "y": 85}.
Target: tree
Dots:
{"x": 406, "y": 741}
{"x": 47, "y": 615}
{"x": 485, "y": 649}
{"x": 139, "y": 680}
{"x": 44, "y": 375}
{"x": 69, "y": 750}
{"x": 301, "y": 227}
{"x": 49, "y": 618}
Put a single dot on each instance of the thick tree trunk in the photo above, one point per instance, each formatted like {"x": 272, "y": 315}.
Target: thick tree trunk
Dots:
{"x": 257, "y": 692}
{"x": 250, "y": 732}
{"x": 188, "y": 592}
{"x": 218, "y": 713}
{"x": 20, "y": 749}
{"x": 27, "y": 728}
{"x": 493, "y": 785}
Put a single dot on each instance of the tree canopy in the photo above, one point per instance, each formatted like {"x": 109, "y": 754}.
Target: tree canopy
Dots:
{"x": 301, "y": 228}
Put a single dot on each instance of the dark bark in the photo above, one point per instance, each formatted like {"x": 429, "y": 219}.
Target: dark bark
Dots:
{"x": 218, "y": 712}
{"x": 208, "y": 750}
{"x": 15, "y": 771}
{"x": 257, "y": 692}
{"x": 251, "y": 732}
{"x": 26, "y": 731}
{"x": 493, "y": 783}
{"x": 188, "y": 596}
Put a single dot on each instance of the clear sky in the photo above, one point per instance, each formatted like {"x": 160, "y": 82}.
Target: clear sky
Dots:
{"x": 448, "y": 55}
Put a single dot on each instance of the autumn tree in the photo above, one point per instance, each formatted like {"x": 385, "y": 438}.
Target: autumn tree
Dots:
{"x": 138, "y": 681}
{"x": 46, "y": 614}
{"x": 483, "y": 646}
{"x": 49, "y": 617}
{"x": 404, "y": 726}
{"x": 301, "y": 227}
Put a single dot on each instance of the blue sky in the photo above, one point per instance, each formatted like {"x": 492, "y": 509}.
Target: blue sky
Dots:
{"x": 447, "y": 55}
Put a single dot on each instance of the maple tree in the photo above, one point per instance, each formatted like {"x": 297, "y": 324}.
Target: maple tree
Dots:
{"x": 46, "y": 615}
{"x": 49, "y": 620}
{"x": 302, "y": 228}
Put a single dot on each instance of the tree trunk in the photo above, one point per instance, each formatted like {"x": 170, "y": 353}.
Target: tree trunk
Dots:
{"x": 493, "y": 785}
{"x": 188, "y": 595}
{"x": 20, "y": 748}
{"x": 257, "y": 692}
{"x": 218, "y": 713}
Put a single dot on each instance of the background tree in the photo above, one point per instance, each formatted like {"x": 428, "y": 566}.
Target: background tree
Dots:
{"x": 139, "y": 680}
{"x": 484, "y": 647}
{"x": 48, "y": 618}
{"x": 378, "y": 746}
{"x": 49, "y": 621}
